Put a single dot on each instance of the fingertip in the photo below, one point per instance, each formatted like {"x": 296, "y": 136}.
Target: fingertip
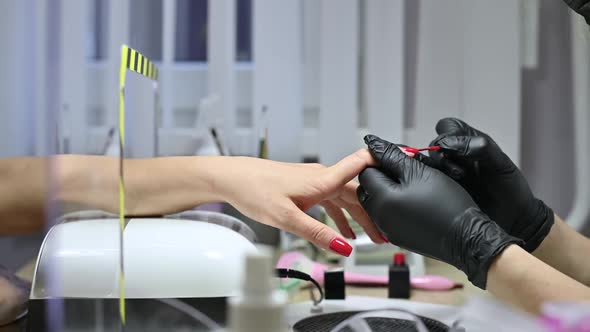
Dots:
{"x": 370, "y": 138}
{"x": 478, "y": 145}
{"x": 365, "y": 155}
{"x": 351, "y": 232}
{"x": 349, "y": 167}
{"x": 448, "y": 125}
{"x": 471, "y": 147}
{"x": 377, "y": 146}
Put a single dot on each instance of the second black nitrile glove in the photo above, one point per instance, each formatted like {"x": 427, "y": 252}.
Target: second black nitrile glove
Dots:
{"x": 498, "y": 187}
{"x": 423, "y": 210}
{"x": 581, "y": 7}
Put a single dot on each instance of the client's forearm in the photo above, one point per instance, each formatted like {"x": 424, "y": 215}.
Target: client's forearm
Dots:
{"x": 172, "y": 184}
{"x": 152, "y": 186}
{"x": 22, "y": 195}
{"x": 519, "y": 278}
{"x": 567, "y": 251}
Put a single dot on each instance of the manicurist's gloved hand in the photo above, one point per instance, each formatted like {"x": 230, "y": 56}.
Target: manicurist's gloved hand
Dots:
{"x": 581, "y": 7}
{"x": 421, "y": 209}
{"x": 474, "y": 160}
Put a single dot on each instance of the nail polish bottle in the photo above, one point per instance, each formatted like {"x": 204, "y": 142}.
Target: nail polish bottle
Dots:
{"x": 334, "y": 285}
{"x": 259, "y": 306}
{"x": 399, "y": 277}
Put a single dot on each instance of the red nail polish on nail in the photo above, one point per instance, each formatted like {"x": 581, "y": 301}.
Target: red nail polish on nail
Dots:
{"x": 352, "y": 233}
{"x": 340, "y": 247}
{"x": 410, "y": 150}
{"x": 384, "y": 238}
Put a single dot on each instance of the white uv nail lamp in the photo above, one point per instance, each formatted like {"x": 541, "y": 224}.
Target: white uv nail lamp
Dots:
{"x": 192, "y": 255}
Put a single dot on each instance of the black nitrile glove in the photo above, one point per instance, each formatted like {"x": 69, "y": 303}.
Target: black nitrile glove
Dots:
{"x": 498, "y": 187}
{"x": 581, "y": 7}
{"x": 423, "y": 210}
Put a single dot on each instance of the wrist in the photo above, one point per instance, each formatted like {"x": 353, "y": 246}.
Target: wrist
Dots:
{"x": 482, "y": 241}
{"x": 227, "y": 177}
{"x": 519, "y": 278}
{"x": 503, "y": 262}
{"x": 561, "y": 249}
{"x": 537, "y": 228}
{"x": 215, "y": 175}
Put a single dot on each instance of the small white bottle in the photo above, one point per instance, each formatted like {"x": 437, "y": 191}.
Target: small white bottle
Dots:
{"x": 261, "y": 305}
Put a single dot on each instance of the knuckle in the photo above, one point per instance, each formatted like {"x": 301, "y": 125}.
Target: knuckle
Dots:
{"x": 284, "y": 216}
{"x": 316, "y": 165}
{"x": 323, "y": 184}
{"x": 288, "y": 212}
{"x": 317, "y": 232}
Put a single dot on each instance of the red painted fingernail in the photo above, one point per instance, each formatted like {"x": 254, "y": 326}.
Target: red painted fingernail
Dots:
{"x": 340, "y": 247}
{"x": 352, "y": 232}
{"x": 410, "y": 150}
{"x": 384, "y": 238}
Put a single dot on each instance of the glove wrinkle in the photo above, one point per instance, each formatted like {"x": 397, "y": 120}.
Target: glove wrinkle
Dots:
{"x": 483, "y": 241}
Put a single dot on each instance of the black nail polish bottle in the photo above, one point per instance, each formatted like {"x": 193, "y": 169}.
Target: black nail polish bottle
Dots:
{"x": 334, "y": 285}
{"x": 399, "y": 277}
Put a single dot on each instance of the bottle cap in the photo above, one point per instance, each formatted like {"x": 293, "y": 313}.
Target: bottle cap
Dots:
{"x": 399, "y": 258}
{"x": 258, "y": 277}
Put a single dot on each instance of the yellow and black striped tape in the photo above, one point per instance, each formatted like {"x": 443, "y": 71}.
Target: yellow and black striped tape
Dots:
{"x": 137, "y": 62}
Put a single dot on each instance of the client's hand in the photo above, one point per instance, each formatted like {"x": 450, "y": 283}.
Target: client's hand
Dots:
{"x": 423, "y": 210}
{"x": 277, "y": 194}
